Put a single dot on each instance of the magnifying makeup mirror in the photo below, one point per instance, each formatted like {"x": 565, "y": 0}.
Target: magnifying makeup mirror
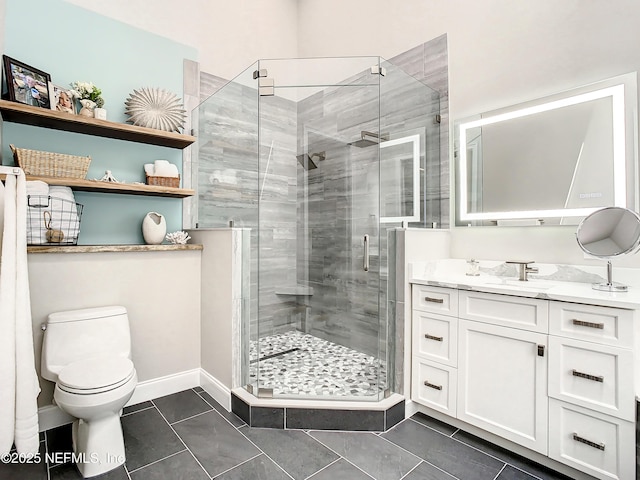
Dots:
{"x": 608, "y": 233}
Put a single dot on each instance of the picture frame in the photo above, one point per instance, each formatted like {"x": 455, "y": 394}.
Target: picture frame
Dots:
{"x": 26, "y": 84}
{"x": 61, "y": 99}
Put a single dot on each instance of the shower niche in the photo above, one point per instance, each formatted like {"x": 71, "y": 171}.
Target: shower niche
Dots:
{"x": 319, "y": 161}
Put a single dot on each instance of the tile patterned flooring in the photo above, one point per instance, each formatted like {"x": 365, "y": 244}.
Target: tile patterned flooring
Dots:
{"x": 188, "y": 436}
{"x": 316, "y": 368}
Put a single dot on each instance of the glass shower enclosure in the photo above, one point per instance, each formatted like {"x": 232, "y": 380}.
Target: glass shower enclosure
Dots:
{"x": 318, "y": 161}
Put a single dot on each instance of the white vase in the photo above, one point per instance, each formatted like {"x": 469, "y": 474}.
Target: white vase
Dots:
{"x": 87, "y": 107}
{"x": 154, "y": 228}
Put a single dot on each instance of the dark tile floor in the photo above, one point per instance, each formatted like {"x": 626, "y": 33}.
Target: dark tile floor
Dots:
{"x": 188, "y": 436}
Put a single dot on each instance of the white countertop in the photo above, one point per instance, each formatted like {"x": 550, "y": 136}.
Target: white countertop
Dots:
{"x": 553, "y": 282}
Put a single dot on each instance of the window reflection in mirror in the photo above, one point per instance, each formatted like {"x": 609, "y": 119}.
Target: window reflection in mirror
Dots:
{"x": 552, "y": 161}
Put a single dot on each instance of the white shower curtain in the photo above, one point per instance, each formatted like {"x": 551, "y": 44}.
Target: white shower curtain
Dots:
{"x": 18, "y": 379}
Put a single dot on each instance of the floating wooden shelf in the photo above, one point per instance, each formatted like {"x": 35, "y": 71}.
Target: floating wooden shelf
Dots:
{"x": 108, "y": 187}
{"x": 41, "y": 117}
{"x": 109, "y": 248}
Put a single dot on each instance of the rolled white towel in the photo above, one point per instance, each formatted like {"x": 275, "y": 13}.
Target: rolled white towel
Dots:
{"x": 149, "y": 169}
{"x": 166, "y": 171}
{"x": 37, "y": 187}
{"x": 62, "y": 192}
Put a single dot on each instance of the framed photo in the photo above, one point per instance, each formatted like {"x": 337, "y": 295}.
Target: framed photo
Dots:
{"x": 61, "y": 99}
{"x": 26, "y": 84}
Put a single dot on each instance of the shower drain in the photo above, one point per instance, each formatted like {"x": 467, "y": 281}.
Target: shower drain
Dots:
{"x": 278, "y": 354}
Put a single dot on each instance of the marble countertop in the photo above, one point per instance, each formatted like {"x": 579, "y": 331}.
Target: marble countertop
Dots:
{"x": 553, "y": 282}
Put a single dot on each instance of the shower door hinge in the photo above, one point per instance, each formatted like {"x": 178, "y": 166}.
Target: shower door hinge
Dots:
{"x": 438, "y": 118}
{"x": 265, "y": 85}
{"x": 378, "y": 70}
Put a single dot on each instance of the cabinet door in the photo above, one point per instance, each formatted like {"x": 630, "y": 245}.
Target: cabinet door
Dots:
{"x": 435, "y": 337}
{"x": 434, "y": 385}
{"x": 594, "y": 376}
{"x": 509, "y": 311}
{"x": 502, "y": 382}
{"x": 435, "y": 299}
{"x": 600, "y": 445}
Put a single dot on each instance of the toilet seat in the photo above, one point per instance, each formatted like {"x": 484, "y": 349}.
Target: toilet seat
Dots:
{"x": 95, "y": 375}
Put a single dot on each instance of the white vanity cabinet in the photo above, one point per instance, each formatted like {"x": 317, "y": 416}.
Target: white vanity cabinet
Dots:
{"x": 555, "y": 377}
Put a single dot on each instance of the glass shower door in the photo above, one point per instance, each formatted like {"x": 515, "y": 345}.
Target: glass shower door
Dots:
{"x": 318, "y": 329}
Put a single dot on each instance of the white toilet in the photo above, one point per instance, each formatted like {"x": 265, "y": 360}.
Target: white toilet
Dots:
{"x": 88, "y": 354}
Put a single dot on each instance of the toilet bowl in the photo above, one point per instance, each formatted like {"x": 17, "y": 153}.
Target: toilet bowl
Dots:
{"x": 87, "y": 354}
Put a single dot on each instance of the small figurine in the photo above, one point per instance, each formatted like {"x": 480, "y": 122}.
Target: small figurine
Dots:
{"x": 108, "y": 177}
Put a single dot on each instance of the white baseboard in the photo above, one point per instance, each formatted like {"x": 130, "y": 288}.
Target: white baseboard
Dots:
{"x": 161, "y": 386}
{"x": 220, "y": 392}
{"x": 50, "y": 416}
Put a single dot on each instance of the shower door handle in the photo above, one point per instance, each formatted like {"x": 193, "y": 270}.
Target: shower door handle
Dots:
{"x": 365, "y": 263}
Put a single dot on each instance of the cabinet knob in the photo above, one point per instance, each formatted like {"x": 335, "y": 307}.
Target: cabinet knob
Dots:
{"x": 541, "y": 350}
{"x": 432, "y": 385}
{"x": 582, "y": 323}
{"x": 433, "y": 300}
{"x": 595, "y": 378}
{"x": 578, "y": 438}
{"x": 433, "y": 337}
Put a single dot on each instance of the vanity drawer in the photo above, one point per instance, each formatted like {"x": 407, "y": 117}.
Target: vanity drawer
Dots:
{"x": 593, "y": 443}
{"x": 611, "y": 326}
{"x": 435, "y": 337}
{"x": 435, "y": 299}
{"x": 434, "y": 386}
{"x": 594, "y": 376}
{"x": 518, "y": 312}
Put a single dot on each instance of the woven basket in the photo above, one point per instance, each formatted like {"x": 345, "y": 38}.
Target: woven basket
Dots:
{"x": 48, "y": 164}
{"x": 164, "y": 181}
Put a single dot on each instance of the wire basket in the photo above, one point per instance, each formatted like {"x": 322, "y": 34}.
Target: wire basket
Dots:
{"x": 52, "y": 220}
{"x": 49, "y": 164}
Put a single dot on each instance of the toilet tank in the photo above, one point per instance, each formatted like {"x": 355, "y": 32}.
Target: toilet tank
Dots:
{"x": 78, "y": 334}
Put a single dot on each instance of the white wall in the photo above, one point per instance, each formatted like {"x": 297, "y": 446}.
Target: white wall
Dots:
{"x": 161, "y": 291}
{"x": 229, "y": 35}
{"x": 501, "y": 52}
{"x": 219, "y": 310}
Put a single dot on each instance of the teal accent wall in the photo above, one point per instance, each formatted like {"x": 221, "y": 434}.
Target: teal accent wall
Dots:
{"x": 74, "y": 44}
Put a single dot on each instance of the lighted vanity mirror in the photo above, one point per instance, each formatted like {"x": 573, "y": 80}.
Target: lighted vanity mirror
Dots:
{"x": 608, "y": 233}
{"x": 551, "y": 161}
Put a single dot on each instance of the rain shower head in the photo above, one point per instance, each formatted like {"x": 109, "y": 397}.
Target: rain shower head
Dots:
{"x": 368, "y": 139}
{"x": 309, "y": 162}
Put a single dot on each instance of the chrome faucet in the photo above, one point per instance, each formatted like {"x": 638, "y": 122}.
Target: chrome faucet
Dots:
{"x": 523, "y": 269}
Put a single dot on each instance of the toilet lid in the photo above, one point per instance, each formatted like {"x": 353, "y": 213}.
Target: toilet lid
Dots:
{"x": 96, "y": 375}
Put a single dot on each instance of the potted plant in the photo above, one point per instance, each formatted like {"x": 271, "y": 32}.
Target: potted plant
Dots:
{"x": 90, "y": 98}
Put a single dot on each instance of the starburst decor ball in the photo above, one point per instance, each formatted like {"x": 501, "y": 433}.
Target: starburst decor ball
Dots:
{"x": 155, "y": 108}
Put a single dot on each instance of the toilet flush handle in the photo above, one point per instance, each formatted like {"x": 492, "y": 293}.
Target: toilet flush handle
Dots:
{"x": 43, "y": 326}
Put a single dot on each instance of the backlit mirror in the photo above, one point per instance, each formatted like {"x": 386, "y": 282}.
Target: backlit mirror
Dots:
{"x": 608, "y": 233}
{"x": 550, "y": 161}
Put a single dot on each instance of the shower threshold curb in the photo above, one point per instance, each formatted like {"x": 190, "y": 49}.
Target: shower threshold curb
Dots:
{"x": 312, "y": 414}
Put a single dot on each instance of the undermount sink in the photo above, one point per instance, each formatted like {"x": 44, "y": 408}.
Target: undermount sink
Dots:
{"x": 524, "y": 285}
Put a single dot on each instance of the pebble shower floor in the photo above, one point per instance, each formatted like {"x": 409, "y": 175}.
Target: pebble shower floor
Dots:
{"x": 314, "y": 367}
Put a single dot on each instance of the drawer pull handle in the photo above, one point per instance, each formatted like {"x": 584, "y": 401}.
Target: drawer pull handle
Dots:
{"x": 433, "y": 337}
{"x": 433, "y": 300}
{"x": 582, "y": 323}
{"x": 432, "y": 385}
{"x": 578, "y": 438}
{"x": 595, "y": 378}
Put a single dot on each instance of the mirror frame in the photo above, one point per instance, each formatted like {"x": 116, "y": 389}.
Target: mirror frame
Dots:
{"x": 621, "y": 89}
